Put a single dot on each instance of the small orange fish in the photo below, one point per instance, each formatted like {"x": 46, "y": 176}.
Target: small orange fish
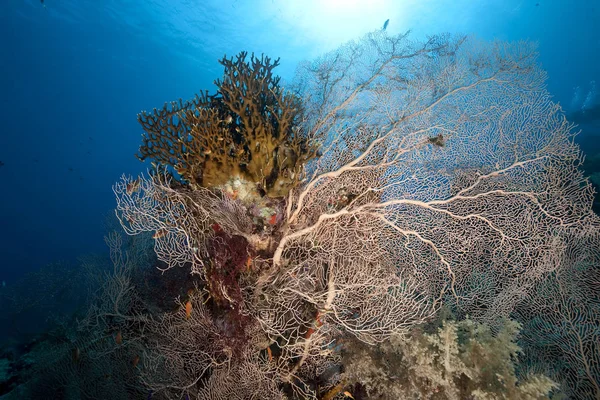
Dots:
{"x": 270, "y": 354}
{"x": 119, "y": 338}
{"x": 249, "y": 263}
{"x": 232, "y": 195}
{"x": 333, "y": 392}
{"x": 135, "y": 361}
{"x": 160, "y": 233}
{"x": 347, "y": 394}
{"x": 132, "y": 187}
{"x": 188, "y": 309}
{"x": 318, "y": 322}
{"x": 273, "y": 219}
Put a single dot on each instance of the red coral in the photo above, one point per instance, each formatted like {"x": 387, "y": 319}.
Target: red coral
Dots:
{"x": 228, "y": 256}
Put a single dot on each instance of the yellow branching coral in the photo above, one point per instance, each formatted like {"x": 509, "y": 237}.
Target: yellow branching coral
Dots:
{"x": 247, "y": 130}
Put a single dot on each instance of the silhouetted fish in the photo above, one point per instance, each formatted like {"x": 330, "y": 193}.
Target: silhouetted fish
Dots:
{"x": 385, "y": 24}
{"x": 1, "y": 164}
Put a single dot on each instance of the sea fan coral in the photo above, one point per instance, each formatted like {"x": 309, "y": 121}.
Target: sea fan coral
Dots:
{"x": 445, "y": 176}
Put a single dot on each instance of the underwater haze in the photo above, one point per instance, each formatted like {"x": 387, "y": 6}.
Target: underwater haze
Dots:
{"x": 299, "y": 199}
{"x": 74, "y": 75}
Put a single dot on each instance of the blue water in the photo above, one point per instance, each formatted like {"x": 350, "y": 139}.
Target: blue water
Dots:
{"x": 74, "y": 74}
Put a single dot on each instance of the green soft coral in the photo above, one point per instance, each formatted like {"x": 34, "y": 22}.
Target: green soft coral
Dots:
{"x": 461, "y": 360}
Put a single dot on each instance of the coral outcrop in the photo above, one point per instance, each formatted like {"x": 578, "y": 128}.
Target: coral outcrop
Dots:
{"x": 249, "y": 130}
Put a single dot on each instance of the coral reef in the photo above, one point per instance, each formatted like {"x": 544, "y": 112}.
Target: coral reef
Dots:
{"x": 462, "y": 360}
{"x": 249, "y": 130}
{"x": 446, "y": 181}
{"x": 414, "y": 202}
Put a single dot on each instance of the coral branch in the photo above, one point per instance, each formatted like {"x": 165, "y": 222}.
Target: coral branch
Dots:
{"x": 249, "y": 129}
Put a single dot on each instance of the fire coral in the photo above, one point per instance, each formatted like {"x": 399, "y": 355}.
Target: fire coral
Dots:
{"x": 247, "y": 130}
